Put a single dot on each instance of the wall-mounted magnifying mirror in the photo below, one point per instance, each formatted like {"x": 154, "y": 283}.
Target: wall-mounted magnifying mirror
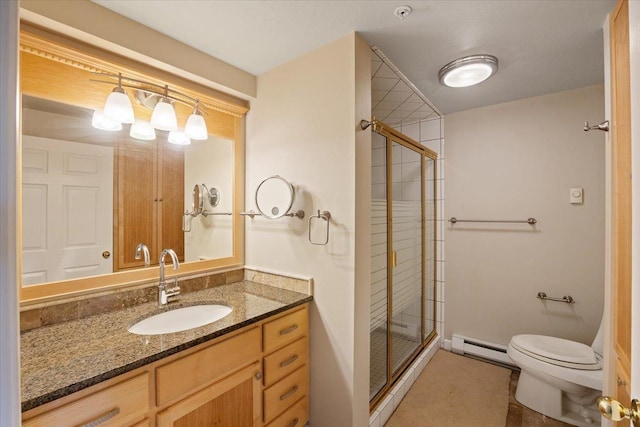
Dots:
{"x": 198, "y": 200}
{"x": 274, "y": 197}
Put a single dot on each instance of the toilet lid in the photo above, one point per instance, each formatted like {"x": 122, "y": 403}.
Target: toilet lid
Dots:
{"x": 557, "y": 351}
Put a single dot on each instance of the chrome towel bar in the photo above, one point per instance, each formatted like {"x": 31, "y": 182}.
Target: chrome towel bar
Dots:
{"x": 566, "y": 299}
{"x": 531, "y": 221}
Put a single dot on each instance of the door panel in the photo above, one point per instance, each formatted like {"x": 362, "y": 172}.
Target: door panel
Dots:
{"x": 67, "y": 217}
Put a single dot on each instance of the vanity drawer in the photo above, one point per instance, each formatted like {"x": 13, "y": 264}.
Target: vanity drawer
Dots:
{"x": 286, "y": 360}
{"x": 285, "y": 393}
{"x": 286, "y": 329}
{"x": 118, "y": 405}
{"x": 182, "y": 376}
{"x": 296, "y": 416}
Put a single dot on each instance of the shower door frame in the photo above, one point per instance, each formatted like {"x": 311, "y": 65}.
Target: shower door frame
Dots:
{"x": 392, "y": 135}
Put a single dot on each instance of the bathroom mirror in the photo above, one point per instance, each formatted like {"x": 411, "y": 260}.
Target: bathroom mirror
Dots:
{"x": 274, "y": 197}
{"x": 90, "y": 196}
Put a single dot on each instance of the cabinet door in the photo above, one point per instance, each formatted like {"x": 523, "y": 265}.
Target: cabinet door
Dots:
{"x": 234, "y": 401}
{"x": 171, "y": 197}
{"x": 135, "y": 213}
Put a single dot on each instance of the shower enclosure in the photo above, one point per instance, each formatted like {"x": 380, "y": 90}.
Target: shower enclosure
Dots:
{"x": 403, "y": 245}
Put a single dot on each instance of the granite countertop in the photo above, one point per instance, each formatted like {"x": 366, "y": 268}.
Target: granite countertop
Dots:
{"x": 61, "y": 359}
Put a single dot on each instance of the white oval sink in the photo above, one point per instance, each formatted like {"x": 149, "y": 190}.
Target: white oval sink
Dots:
{"x": 180, "y": 319}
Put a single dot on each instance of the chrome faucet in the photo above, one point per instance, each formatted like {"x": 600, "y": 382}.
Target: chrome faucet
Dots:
{"x": 165, "y": 293}
{"x": 143, "y": 249}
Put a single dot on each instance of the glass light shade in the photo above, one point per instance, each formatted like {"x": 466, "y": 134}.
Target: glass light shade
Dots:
{"x": 196, "y": 127}
{"x": 164, "y": 116}
{"x": 142, "y": 130}
{"x": 100, "y": 121}
{"x": 178, "y": 137}
{"x": 468, "y": 71}
{"x": 118, "y": 107}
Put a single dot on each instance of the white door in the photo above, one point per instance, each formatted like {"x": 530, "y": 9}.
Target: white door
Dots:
{"x": 67, "y": 214}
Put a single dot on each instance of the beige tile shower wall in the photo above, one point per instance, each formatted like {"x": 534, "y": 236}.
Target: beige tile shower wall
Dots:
{"x": 430, "y": 133}
{"x": 513, "y": 161}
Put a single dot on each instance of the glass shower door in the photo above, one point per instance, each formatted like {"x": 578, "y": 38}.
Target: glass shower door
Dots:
{"x": 379, "y": 299}
{"x": 406, "y": 254}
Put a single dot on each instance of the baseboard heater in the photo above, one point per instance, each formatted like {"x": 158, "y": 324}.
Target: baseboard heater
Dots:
{"x": 480, "y": 349}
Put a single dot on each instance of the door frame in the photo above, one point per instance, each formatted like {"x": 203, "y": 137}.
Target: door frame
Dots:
{"x": 392, "y": 135}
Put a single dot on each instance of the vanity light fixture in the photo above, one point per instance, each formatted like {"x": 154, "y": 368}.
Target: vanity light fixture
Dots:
{"x": 178, "y": 137}
{"x": 196, "y": 127}
{"x": 468, "y": 71}
{"x": 100, "y": 121}
{"x": 118, "y": 106}
{"x": 119, "y": 110}
{"x": 142, "y": 129}
{"x": 164, "y": 115}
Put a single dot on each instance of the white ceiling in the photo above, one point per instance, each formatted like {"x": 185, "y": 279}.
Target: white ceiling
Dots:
{"x": 543, "y": 46}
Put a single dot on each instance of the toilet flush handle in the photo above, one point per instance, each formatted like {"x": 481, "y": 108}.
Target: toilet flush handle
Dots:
{"x": 615, "y": 411}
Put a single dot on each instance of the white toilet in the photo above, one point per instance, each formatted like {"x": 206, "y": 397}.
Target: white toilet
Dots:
{"x": 559, "y": 378}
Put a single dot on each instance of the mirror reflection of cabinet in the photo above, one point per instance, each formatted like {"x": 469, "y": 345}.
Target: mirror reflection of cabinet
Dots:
{"x": 59, "y": 96}
{"x": 148, "y": 206}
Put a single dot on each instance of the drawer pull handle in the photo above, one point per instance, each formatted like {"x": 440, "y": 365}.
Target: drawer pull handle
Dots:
{"x": 294, "y": 423}
{"x": 289, "y": 393}
{"x": 112, "y": 413}
{"x": 289, "y": 361}
{"x": 258, "y": 375}
{"x": 290, "y": 329}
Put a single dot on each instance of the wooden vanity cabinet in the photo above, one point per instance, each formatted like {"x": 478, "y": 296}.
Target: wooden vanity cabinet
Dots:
{"x": 254, "y": 377}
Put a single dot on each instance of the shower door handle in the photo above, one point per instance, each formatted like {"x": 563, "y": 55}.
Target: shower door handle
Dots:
{"x": 394, "y": 259}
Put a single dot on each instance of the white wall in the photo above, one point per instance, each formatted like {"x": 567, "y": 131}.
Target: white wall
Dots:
{"x": 209, "y": 162}
{"x": 303, "y": 126}
{"x": 9, "y": 107}
{"x": 513, "y": 161}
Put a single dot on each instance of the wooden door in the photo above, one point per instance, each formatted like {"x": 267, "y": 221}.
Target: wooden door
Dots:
{"x": 621, "y": 194}
{"x": 67, "y": 191}
{"x": 235, "y": 401}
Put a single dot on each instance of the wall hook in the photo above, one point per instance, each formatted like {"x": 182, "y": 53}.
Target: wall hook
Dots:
{"x": 604, "y": 126}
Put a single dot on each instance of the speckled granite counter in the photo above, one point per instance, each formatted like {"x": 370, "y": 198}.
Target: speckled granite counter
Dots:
{"x": 61, "y": 359}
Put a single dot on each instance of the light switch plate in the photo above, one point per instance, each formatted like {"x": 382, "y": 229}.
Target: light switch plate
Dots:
{"x": 575, "y": 195}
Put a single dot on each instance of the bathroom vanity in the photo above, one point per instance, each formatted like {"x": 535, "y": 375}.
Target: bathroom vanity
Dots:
{"x": 247, "y": 369}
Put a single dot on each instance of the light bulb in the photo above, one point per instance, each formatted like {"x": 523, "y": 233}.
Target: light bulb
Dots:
{"x": 164, "y": 116}
{"x": 142, "y": 130}
{"x": 100, "y": 121}
{"x": 118, "y": 107}
{"x": 196, "y": 127}
{"x": 178, "y": 137}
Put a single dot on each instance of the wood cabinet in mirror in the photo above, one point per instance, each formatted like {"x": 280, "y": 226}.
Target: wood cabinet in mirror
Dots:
{"x": 90, "y": 196}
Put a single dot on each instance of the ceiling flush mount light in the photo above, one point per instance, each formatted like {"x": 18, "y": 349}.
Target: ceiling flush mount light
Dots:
{"x": 468, "y": 71}
{"x": 159, "y": 98}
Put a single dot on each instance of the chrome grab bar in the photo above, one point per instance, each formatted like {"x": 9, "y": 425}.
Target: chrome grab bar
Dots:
{"x": 531, "y": 221}
{"x": 567, "y": 298}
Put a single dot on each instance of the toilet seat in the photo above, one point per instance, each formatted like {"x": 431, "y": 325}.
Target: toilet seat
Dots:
{"x": 557, "y": 351}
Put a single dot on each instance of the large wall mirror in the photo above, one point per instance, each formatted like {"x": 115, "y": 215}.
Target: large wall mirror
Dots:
{"x": 92, "y": 194}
